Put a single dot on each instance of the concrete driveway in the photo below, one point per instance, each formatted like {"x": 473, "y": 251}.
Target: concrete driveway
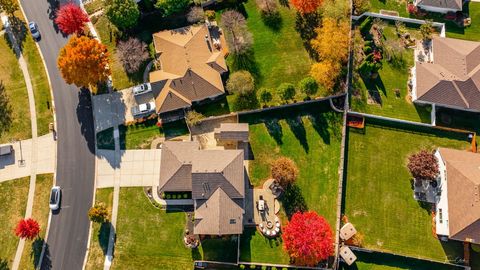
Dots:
{"x": 136, "y": 168}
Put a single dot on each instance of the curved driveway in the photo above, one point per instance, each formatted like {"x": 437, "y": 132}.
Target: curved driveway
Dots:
{"x": 67, "y": 238}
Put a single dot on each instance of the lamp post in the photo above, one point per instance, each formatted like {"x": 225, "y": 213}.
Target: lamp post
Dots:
{"x": 21, "y": 161}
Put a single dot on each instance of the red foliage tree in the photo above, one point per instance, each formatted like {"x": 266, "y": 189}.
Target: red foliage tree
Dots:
{"x": 27, "y": 228}
{"x": 306, "y": 6}
{"x": 423, "y": 165}
{"x": 71, "y": 19}
{"x": 308, "y": 238}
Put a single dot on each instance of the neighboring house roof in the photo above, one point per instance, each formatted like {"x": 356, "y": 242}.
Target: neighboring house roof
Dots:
{"x": 216, "y": 178}
{"x": 191, "y": 67}
{"x": 232, "y": 132}
{"x": 453, "y": 78}
{"x": 219, "y": 215}
{"x": 463, "y": 176}
{"x": 447, "y": 4}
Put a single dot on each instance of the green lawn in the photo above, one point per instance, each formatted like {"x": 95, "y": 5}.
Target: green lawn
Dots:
{"x": 32, "y": 250}
{"x": 140, "y": 136}
{"x": 12, "y": 78}
{"x": 393, "y": 221}
{"x": 13, "y": 199}
{"x": 100, "y": 232}
{"x": 390, "y": 78}
{"x": 278, "y": 55}
{"x": 396, "y": 5}
{"x": 254, "y": 247}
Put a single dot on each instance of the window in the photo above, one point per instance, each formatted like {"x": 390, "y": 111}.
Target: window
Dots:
{"x": 233, "y": 221}
{"x": 440, "y": 216}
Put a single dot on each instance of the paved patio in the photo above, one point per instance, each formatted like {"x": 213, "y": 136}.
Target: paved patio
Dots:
{"x": 136, "y": 168}
{"x": 45, "y": 160}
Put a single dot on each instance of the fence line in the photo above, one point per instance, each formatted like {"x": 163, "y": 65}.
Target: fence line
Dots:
{"x": 441, "y": 26}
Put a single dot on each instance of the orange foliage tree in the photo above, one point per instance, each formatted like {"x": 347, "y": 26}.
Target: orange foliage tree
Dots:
{"x": 332, "y": 40}
{"x": 84, "y": 61}
{"x": 326, "y": 73}
{"x": 306, "y": 6}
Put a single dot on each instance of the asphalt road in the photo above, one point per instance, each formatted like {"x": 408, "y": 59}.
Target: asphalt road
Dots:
{"x": 69, "y": 228}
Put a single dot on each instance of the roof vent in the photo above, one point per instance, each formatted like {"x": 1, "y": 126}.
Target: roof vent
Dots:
{"x": 233, "y": 221}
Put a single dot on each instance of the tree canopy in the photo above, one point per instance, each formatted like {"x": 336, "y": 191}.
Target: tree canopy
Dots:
{"x": 306, "y": 6}
{"x": 238, "y": 37}
{"x": 423, "y": 165}
{"x": 98, "y": 213}
{"x": 241, "y": 82}
{"x": 284, "y": 171}
{"x": 27, "y": 229}
{"x": 332, "y": 40}
{"x": 326, "y": 73}
{"x": 169, "y": 7}
{"x": 8, "y": 6}
{"x": 307, "y": 238}
{"x": 83, "y": 61}
{"x": 308, "y": 86}
{"x": 123, "y": 13}
{"x": 287, "y": 91}
{"x": 71, "y": 19}
{"x": 132, "y": 53}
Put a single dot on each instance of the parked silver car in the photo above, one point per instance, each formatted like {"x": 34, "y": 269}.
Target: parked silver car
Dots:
{"x": 143, "y": 109}
{"x": 55, "y": 196}
{"x": 34, "y": 30}
{"x": 142, "y": 89}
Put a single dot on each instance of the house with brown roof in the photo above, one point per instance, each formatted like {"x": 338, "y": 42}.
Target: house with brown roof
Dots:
{"x": 191, "y": 64}
{"x": 441, "y": 6}
{"x": 216, "y": 180}
{"x": 458, "y": 203}
{"x": 452, "y": 78}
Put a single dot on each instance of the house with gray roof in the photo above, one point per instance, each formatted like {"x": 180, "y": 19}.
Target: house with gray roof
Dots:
{"x": 452, "y": 79}
{"x": 216, "y": 180}
{"x": 441, "y": 6}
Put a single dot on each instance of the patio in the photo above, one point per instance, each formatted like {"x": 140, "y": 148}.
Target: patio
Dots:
{"x": 266, "y": 207}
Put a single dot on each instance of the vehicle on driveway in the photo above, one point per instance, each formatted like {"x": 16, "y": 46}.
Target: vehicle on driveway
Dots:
{"x": 141, "y": 89}
{"x": 34, "y": 30}
{"x": 55, "y": 196}
{"x": 6, "y": 150}
{"x": 143, "y": 109}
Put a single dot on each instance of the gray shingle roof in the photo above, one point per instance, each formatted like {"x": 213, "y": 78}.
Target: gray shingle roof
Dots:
{"x": 450, "y": 4}
{"x": 232, "y": 132}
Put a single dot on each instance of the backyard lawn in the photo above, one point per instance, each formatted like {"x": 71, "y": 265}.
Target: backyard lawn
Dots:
{"x": 254, "y": 247}
{"x": 32, "y": 250}
{"x": 100, "y": 232}
{"x": 13, "y": 199}
{"x": 393, "y": 221}
{"x": 148, "y": 238}
{"x": 377, "y": 96}
{"x": 395, "y": 5}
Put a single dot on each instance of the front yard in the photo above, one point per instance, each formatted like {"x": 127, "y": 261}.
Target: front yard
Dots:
{"x": 393, "y": 221}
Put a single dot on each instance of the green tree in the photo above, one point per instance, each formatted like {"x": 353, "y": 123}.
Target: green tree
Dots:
{"x": 241, "y": 82}
{"x": 8, "y": 6}
{"x": 123, "y": 13}
{"x": 98, "y": 213}
{"x": 427, "y": 30}
{"x": 287, "y": 91}
{"x": 172, "y": 6}
{"x": 265, "y": 95}
{"x": 193, "y": 118}
{"x": 308, "y": 86}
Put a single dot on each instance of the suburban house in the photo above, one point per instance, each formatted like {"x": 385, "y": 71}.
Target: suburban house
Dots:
{"x": 441, "y": 6}
{"x": 191, "y": 64}
{"x": 215, "y": 179}
{"x": 458, "y": 203}
{"x": 230, "y": 135}
{"x": 450, "y": 77}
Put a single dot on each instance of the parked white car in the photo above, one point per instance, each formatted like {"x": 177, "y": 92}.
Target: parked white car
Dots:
{"x": 55, "y": 196}
{"x": 143, "y": 109}
{"x": 142, "y": 89}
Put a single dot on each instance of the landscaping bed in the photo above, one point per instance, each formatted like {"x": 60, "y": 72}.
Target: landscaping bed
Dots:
{"x": 13, "y": 199}
{"x": 394, "y": 221}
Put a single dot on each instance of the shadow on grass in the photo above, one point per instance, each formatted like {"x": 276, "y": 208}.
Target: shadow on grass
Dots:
{"x": 293, "y": 200}
{"x": 103, "y": 236}
{"x": 36, "y": 252}
{"x": 375, "y": 85}
{"x": 222, "y": 249}
{"x": 305, "y": 25}
{"x": 298, "y": 129}
{"x": 46, "y": 260}
{"x": 246, "y": 61}
{"x": 273, "y": 20}
{"x": 19, "y": 31}
{"x": 274, "y": 129}
{"x": 321, "y": 124}
{"x": 4, "y": 264}
{"x": 5, "y": 110}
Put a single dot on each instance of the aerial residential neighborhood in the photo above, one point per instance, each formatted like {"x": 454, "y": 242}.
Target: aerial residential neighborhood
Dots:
{"x": 240, "y": 134}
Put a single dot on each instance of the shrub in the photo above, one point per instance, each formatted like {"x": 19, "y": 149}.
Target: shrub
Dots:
{"x": 264, "y": 267}
{"x": 265, "y": 95}
{"x": 427, "y": 30}
{"x": 195, "y": 15}
{"x": 284, "y": 171}
{"x": 169, "y": 196}
{"x": 241, "y": 82}
{"x": 361, "y": 6}
{"x": 252, "y": 266}
{"x": 163, "y": 195}
{"x": 366, "y": 25}
{"x": 308, "y": 86}
{"x": 169, "y": 7}
{"x": 174, "y": 196}
{"x": 242, "y": 266}
{"x": 423, "y": 165}
{"x": 98, "y": 213}
{"x": 123, "y": 13}
{"x": 193, "y": 118}
{"x": 132, "y": 53}
{"x": 210, "y": 15}
{"x": 287, "y": 91}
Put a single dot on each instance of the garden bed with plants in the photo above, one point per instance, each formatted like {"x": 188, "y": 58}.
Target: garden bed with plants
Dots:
{"x": 176, "y": 195}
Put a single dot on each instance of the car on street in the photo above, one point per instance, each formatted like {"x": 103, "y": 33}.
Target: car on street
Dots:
{"x": 34, "y": 30}
{"x": 55, "y": 196}
{"x": 141, "y": 89}
{"x": 143, "y": 109}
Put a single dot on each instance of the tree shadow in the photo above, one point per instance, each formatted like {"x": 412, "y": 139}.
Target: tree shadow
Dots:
{"x": 85, "y": 117}
{"x": 5, "y": 110}
{"x": 246, "y": 61}
{"x": 426, "y": 206}
{"x": 374, "y": 84}
{"x": 298, "y": 129}
{"x": 46, "y": 260}
{"x": 274, "y": 130}
{"x": 36, "y": 252}
{"x": 284, "y": 3}
{"x": 19, "y": 30}
{"x": 320, "y": 124}
{"x": 305, "y": 25}
{"x": 293, "y": 200}
{"x": 103, "y": 236}
{"x": 53, "y": 6}
{"x": 4, "y": 264}
{"x": 273, "y": 20}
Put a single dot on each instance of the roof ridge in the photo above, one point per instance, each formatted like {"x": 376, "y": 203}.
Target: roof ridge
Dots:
{"x": 179, "y": 95}
{"x": 192, "y": 70}
{"x": 460, "y": 93}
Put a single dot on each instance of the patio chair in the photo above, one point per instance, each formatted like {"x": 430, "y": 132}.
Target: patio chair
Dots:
{"x": 274, "y": 233}
{"x": 268, "y": 233}
{"x": 264, "y": 230}
{"x": 277, "y": 224}
{"x": 277, "y": 229}
{"x": 276, "y": 219}
{"x": 260, "y": 225}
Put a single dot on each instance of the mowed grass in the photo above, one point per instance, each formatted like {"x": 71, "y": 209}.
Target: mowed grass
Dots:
{"x": 394, "y": 5}
{"x": 32, "y": 250}
{"x": 12, "y": 78}
{"x": 13, "y": 199}
{"x": 378, "y": 196}
{"x": 278, "y": 55}
{"x": 149, "y": 238}
{"x": 100, "y": 232}
{"x": 254, "y": 247}
{"x": 389, "y": 80}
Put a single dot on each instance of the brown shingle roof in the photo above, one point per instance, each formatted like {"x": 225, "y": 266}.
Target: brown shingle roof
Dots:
{"x": 454, "y": 76}
{"x": 463, "y": 178}
{"x": 219, "y": 215}
{"x": 190, "y": 64}
{"x": 232, "y": 132}
{"x": 450, "y": 4}
{"x": 176, "y": 166}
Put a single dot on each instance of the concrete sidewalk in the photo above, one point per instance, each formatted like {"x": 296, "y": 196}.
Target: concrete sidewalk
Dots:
{"x": 135, "y": 168}
{"x": 44, "y": 161}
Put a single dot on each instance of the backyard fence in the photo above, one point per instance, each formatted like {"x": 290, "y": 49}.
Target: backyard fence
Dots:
{"x": 440, "y": 26}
